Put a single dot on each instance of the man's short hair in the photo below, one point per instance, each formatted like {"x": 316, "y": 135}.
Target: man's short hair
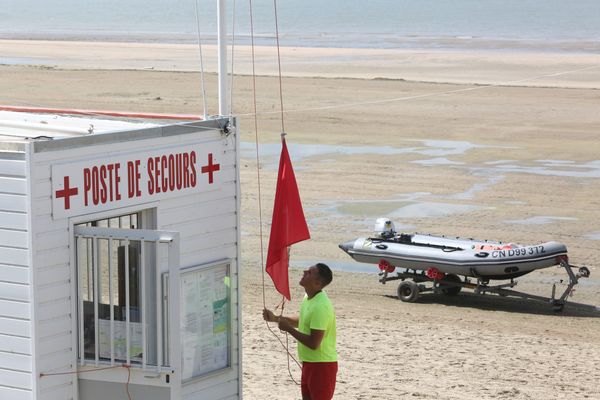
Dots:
{"x": 324, "y": 273}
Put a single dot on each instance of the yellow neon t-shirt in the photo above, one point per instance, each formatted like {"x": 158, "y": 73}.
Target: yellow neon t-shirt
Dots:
{"x": 317, "y": 313}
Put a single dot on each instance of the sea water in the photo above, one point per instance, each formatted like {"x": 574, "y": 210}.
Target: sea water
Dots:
{"x": 493, "y": 24}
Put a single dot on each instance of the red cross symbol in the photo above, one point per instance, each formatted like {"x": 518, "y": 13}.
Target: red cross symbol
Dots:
{"x": 210, "y": 168}
{"x": 66, "y": 192}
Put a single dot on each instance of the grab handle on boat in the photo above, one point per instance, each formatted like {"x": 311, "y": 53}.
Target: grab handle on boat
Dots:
{"x": 482, "y": 254}
{"x": 584, "y": 272}
{"x": 448, "y": 249}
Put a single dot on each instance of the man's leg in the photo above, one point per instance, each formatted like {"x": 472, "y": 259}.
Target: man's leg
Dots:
{"x": 320, "y": 380}
{"x": 304, "y": 381}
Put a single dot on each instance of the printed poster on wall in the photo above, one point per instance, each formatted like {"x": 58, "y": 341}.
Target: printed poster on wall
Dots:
{"x": 120, "y": 340}
{"x": 205, "y": 320}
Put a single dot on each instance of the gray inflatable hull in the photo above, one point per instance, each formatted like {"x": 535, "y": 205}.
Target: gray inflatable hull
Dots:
{"x": 467, "y": 257}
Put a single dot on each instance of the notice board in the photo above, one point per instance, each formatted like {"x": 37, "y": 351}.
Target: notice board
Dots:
{"x": 205, "y": 319}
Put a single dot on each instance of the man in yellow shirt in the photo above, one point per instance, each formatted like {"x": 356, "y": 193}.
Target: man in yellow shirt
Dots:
{"x": 315, "y": 332}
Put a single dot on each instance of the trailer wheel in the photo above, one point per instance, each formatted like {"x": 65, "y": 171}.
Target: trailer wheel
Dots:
{"x": 408, "y": 291}
{"x": 452, "y": 290}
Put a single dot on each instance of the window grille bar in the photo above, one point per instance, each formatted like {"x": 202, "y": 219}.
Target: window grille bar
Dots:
{"x": 127, "y": 305}
{"x": 96, "y": 328}
{"x": 90, "y": 272}
{"x": 80, "y": 294}
{"x": 142, "y": 269}
{"x": 159, "y": 298}
{"x": 111, "y": 302}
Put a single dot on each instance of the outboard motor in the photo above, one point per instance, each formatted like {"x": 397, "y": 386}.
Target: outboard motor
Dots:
{"x": 384, "y": 229}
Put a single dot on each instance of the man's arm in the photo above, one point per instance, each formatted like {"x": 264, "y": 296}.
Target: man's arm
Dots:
{"x": 312, "y": 341}
{"x": 269, "y": 316}
{"x": 288, "y": 324}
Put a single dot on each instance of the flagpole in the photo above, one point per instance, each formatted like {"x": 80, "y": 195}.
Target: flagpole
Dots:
{"x": 222, "y": 56}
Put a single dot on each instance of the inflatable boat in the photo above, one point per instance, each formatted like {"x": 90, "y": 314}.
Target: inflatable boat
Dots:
{"x": 467, "y": 257}
{"x": 441, "y": 260}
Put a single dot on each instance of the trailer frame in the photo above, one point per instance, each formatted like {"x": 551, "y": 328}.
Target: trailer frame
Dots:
{"x": 412, "y": 285}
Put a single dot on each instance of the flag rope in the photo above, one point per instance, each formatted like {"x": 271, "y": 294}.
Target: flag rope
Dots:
{"x": 262, "y": 261}
{"x": 260, "y": 220}
{"x": 279, "y": 67}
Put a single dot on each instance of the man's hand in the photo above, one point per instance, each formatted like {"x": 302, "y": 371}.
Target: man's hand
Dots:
{"x": 269, "y": 316}
{"x": 285, "y": 325}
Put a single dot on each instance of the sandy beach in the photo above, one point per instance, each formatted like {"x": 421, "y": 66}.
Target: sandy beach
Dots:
{"x": 493, "y": 145}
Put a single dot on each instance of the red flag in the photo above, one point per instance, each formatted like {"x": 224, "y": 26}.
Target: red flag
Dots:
{"x": 288, "y": 225}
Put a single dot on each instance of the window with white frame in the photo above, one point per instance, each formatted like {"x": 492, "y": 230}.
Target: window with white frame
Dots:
{"x": 119, "y": 293}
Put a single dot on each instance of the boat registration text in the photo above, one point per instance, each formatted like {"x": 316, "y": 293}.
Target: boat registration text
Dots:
{"x": 522, "y": 251}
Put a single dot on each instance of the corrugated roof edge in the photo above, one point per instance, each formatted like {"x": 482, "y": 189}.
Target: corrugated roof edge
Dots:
{"x": 13, "y": 155}
{"x": 11, "y": 147}
{"x": 129, "y": 135}
{"x": 120, "y": 114}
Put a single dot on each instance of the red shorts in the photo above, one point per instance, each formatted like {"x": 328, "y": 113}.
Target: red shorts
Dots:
{"x": 318, "y": 380}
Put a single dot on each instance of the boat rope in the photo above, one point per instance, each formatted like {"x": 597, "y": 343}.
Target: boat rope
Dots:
{"x": 203, "y": 87}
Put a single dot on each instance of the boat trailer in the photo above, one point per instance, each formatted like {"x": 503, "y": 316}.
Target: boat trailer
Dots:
{"x": 450, "y": 284}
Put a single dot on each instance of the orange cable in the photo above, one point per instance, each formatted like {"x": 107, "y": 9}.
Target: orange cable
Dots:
{"x": 126, "y": 366}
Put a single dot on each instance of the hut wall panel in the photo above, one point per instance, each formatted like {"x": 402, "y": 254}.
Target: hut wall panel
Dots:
{"x": 15, "y": 379}
{"x": 12, "y": 168}
{"x": 63, "y": 391}
{"x": 13, "y": 185}
{"x": 13, "y": 256}
{"x": 14, "y": 309}
{"x": 17, "y": 327}
{"x": 14, "y": 291}
{"x": 52, "y": 291}
{"x": 15, "y": 394}
{"x": 16, "y": 363}
{"x": 14, "y": 274}
{"x": 49, "y": 383}
{"x": 11, "y": 220}
{"x": 54, "y": 273}
{"x": 14, "y": 238}
{"x": 15, "y": 344}
{"x": 225, "y": 389}
{"x": 49, "y": 346}
{"x": 13, "y": 202}
{"x": 64, "y": 359}
{"x": 19, "y": 362}
{"x": 52, "y": 326}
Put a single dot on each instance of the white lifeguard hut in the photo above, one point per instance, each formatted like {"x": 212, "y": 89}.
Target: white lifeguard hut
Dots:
{"x": 119, "y": 254}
